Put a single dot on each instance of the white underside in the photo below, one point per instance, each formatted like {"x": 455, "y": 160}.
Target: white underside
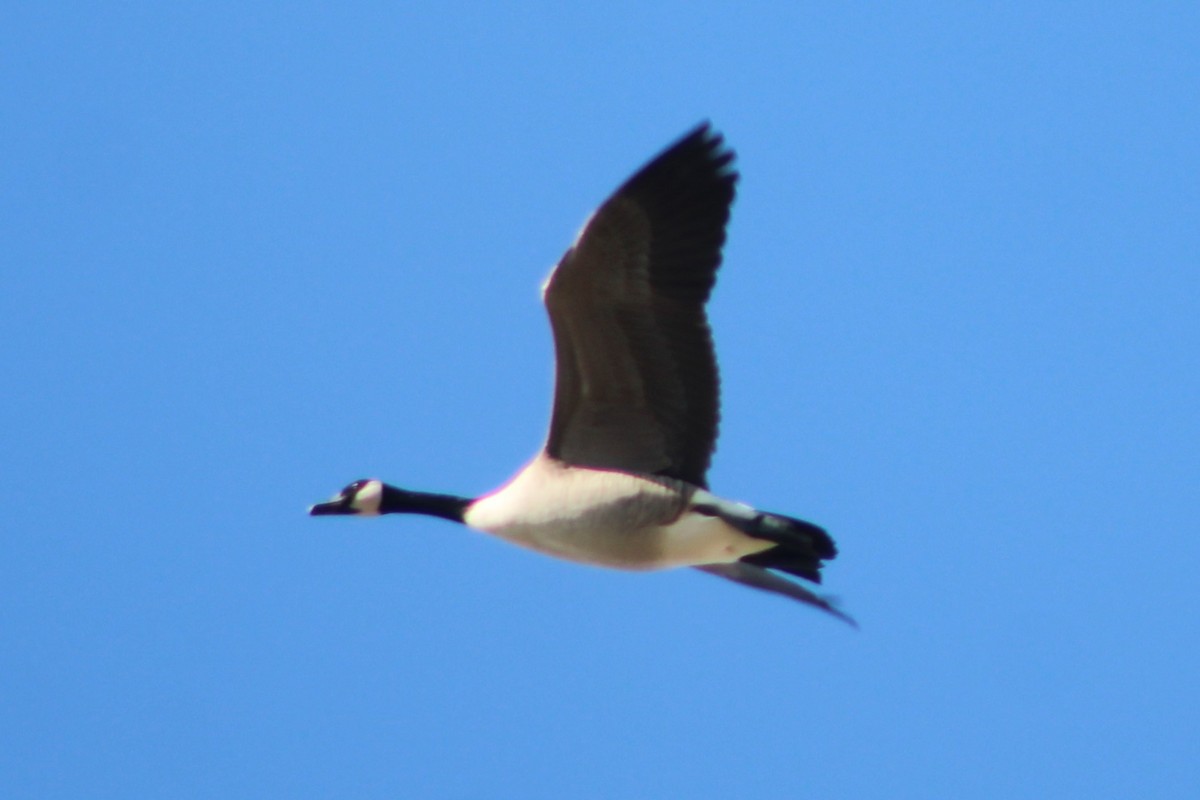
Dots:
{"x": 605, "y": 518}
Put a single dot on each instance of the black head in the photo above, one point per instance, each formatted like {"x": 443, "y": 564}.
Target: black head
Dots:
{"x": 361, "y": 498}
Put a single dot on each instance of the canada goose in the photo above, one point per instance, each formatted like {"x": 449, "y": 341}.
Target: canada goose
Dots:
{"x": 621, "y": 480}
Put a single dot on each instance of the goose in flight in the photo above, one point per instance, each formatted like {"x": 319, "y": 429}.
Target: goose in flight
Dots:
{"x": 621, "y": 480}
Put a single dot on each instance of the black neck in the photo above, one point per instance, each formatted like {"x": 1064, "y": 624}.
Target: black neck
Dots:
{"x": 401, "y": 501}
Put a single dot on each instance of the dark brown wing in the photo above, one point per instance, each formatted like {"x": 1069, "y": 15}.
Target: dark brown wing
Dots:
{"x": 637, "y": 385}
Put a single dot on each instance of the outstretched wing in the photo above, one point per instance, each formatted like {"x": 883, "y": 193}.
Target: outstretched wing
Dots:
{"x": 767, "y": 581}
{"x": 636, "y": 384}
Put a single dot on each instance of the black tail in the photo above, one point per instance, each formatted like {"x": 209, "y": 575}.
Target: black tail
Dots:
{"x": 800, "y": 547}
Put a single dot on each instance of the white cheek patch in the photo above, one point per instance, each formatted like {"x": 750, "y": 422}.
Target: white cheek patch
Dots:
{"x": 367, "y": 499}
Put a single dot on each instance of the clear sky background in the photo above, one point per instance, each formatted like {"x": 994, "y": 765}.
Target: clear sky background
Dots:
{"x": 251, "y": 252}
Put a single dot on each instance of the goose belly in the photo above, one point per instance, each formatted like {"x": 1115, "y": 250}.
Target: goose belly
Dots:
{"x": 622, "y": 521}
{"x": 693, "y": 539}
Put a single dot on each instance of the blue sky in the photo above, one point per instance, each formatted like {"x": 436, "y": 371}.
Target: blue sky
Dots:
{"x": 254, "y": 252}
